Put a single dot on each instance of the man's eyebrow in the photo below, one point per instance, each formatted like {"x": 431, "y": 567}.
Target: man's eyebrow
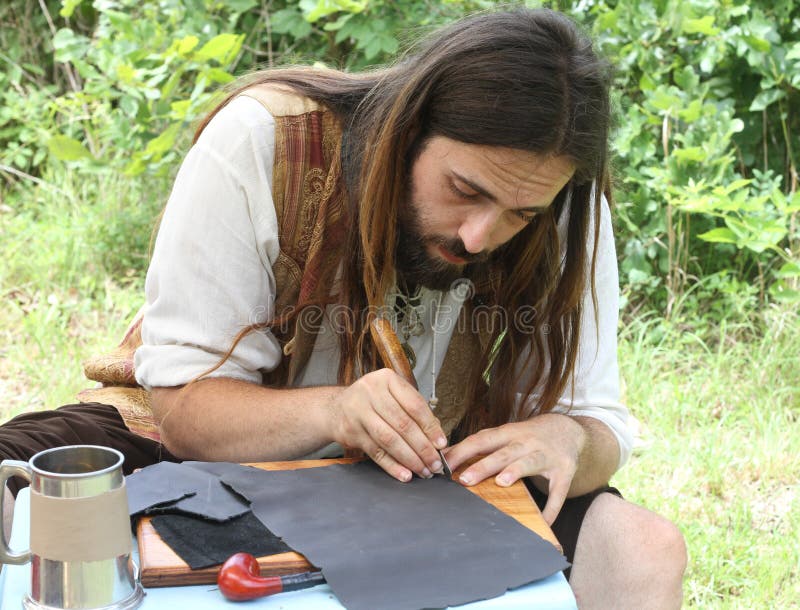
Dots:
{"x": 476, "y": 187}
{"x": 479, "y": 189}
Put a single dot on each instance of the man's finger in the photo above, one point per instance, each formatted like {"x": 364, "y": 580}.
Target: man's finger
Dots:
{"x": 386, "y": 438}
{"x": 493, "y": 463}
{"x": 418, "y": 408}
{"x": 556, "y": 496}
{"x": 386, "y": 461}
{"x": 531, "y": 463}
{"x": 481, "y": 443}
{"x": 403, "y": 422}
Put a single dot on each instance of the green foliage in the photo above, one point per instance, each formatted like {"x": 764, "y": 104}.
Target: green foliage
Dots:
{"x": 707, "y": 93}
{"x": 708, "y": 130}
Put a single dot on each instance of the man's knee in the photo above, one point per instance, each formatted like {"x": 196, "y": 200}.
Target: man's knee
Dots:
{"x": 632, "y": 544}
{"x": 662, "y": 548}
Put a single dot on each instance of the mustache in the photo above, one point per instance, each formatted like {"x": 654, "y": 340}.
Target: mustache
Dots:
{"x": 456, "y": 247}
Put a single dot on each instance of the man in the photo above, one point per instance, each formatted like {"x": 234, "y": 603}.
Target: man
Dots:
{"x": 458, "y": 193}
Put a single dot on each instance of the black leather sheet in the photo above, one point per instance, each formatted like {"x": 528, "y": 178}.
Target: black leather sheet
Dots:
{"x": 154, "y": 486}
{"x": 192, "y": 488}
{"x": 201, "y": 543}
{"x": 380, "y": 543}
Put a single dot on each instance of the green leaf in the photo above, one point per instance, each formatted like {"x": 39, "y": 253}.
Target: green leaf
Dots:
{"x": 793, "y": 204}
{"x": 69, "y": 46}
{"x": 35, "y": 68}
{"x": 789, "y": 270}
{"x": 334, "y": 26}
{"x": 218, "y": 75}
{"x": 758, "y": 44}
{"x": 766, "y": 98}
{"x": 692, "y": 153}
{"x": 692, "y": 112}
{"x": 290, "y": 21}
{"x": 646, "y": 83}
{"x": 663, "y": 99}
{"x": 222, "y": 48}
{"x": 637, "y": 276}
{"x": 187, "y": 44}
{"x": 780, "y": 291}
{"x": 241, "y": 6}
{"x": 686, "y": 78}
{"x": 733, "y": 186}
{"x": 129, "y": 106}
{"x": 389, "y": 43}
{"x": 704, "y": 25}
{"x": 135, "y": 167}
{"x": 122, "y": 22}
{"x": 794, "y": 51}
{"x": 68, "y": 7}
{"x": 164, "y": 142}
{"x": 126, "y": 73}
{"x": 373, "y": 48}
{"x": 172, "y": 82}
{"x": 181, "y": 109}
{"x": 65, "y": 148}
{"x": 719, "y": 235}
{"x": 314, "y": 11}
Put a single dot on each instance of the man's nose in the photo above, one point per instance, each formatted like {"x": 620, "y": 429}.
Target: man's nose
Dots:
{"x": 477, "y": 228}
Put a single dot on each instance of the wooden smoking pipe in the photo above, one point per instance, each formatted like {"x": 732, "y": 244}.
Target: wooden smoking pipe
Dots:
{"x": 240, "y": 579}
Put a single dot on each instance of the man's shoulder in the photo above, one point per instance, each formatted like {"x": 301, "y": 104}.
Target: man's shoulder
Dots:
{"x": 281, "y": 100}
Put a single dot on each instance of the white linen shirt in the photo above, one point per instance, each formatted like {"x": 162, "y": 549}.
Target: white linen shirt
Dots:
{"x": 211, "y": 276}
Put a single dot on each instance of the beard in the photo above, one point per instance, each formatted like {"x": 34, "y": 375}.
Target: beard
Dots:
{"x": 416, "y": 266}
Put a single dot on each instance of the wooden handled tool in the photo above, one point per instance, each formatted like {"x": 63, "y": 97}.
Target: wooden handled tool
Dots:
{"x": 390, "y": 350}
{"x": 394, "y": 357}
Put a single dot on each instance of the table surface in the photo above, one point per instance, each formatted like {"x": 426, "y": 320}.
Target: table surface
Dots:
{"x": 552, "y": 593}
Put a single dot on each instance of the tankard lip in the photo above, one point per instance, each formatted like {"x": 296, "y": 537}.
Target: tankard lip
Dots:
{"x": 76, "y": 475}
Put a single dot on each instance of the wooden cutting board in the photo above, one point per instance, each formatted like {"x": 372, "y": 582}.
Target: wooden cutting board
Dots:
{"x": 161, "y": 567}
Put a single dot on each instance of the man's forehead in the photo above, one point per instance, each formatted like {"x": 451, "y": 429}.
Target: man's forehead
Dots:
{"x": 502, "y": 173}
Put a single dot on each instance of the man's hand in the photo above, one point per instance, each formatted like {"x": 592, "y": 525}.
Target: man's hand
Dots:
{"x": 548, "y": 446}
{"x": 384, "y": 416}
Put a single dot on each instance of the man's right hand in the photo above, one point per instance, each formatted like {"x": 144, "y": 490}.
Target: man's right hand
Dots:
{"x": 388, "y": 419}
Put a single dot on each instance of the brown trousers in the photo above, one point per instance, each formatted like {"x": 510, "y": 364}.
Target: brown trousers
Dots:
{"x": 81, "y": 424}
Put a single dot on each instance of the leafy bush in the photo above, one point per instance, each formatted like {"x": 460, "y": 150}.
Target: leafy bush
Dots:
{"x": 707, "y": 96}
{"x": 707, "y": 132}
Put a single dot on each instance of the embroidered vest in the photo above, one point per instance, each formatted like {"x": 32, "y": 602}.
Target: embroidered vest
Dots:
{"x": 309, "y": 196}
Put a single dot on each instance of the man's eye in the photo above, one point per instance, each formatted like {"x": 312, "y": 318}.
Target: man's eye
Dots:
{"x": 525, "y": 216}
{"x": 461, "y": 194}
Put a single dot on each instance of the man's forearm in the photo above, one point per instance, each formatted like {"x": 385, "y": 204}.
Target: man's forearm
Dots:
{"x": 598, "y": 458}
{"x": 221, "y": 419}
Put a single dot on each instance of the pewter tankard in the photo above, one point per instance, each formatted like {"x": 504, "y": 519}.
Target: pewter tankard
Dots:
{"x": 80, "y": 550}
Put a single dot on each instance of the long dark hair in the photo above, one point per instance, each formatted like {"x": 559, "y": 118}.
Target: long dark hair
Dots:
{"x": 523, "y": 79}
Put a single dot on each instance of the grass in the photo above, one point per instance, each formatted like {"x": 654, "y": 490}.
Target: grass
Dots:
{"x": 719, "y": 407}
{"x": 718, "y": 454}
{"x": 72, "y": 278}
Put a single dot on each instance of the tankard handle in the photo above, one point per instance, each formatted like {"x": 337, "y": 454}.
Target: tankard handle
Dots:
{"x": 8, "y": 469}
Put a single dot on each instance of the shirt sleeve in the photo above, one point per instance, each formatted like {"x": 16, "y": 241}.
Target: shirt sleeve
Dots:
{"x": 211, "y": 271}
{"x": 596, "y": 388}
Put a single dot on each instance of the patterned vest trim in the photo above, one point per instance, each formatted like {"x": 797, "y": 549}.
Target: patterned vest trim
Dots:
{"x": 310, "y": 203}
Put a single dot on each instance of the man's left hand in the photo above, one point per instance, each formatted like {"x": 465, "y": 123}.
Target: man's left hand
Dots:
{"x": 547, "y": 445}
